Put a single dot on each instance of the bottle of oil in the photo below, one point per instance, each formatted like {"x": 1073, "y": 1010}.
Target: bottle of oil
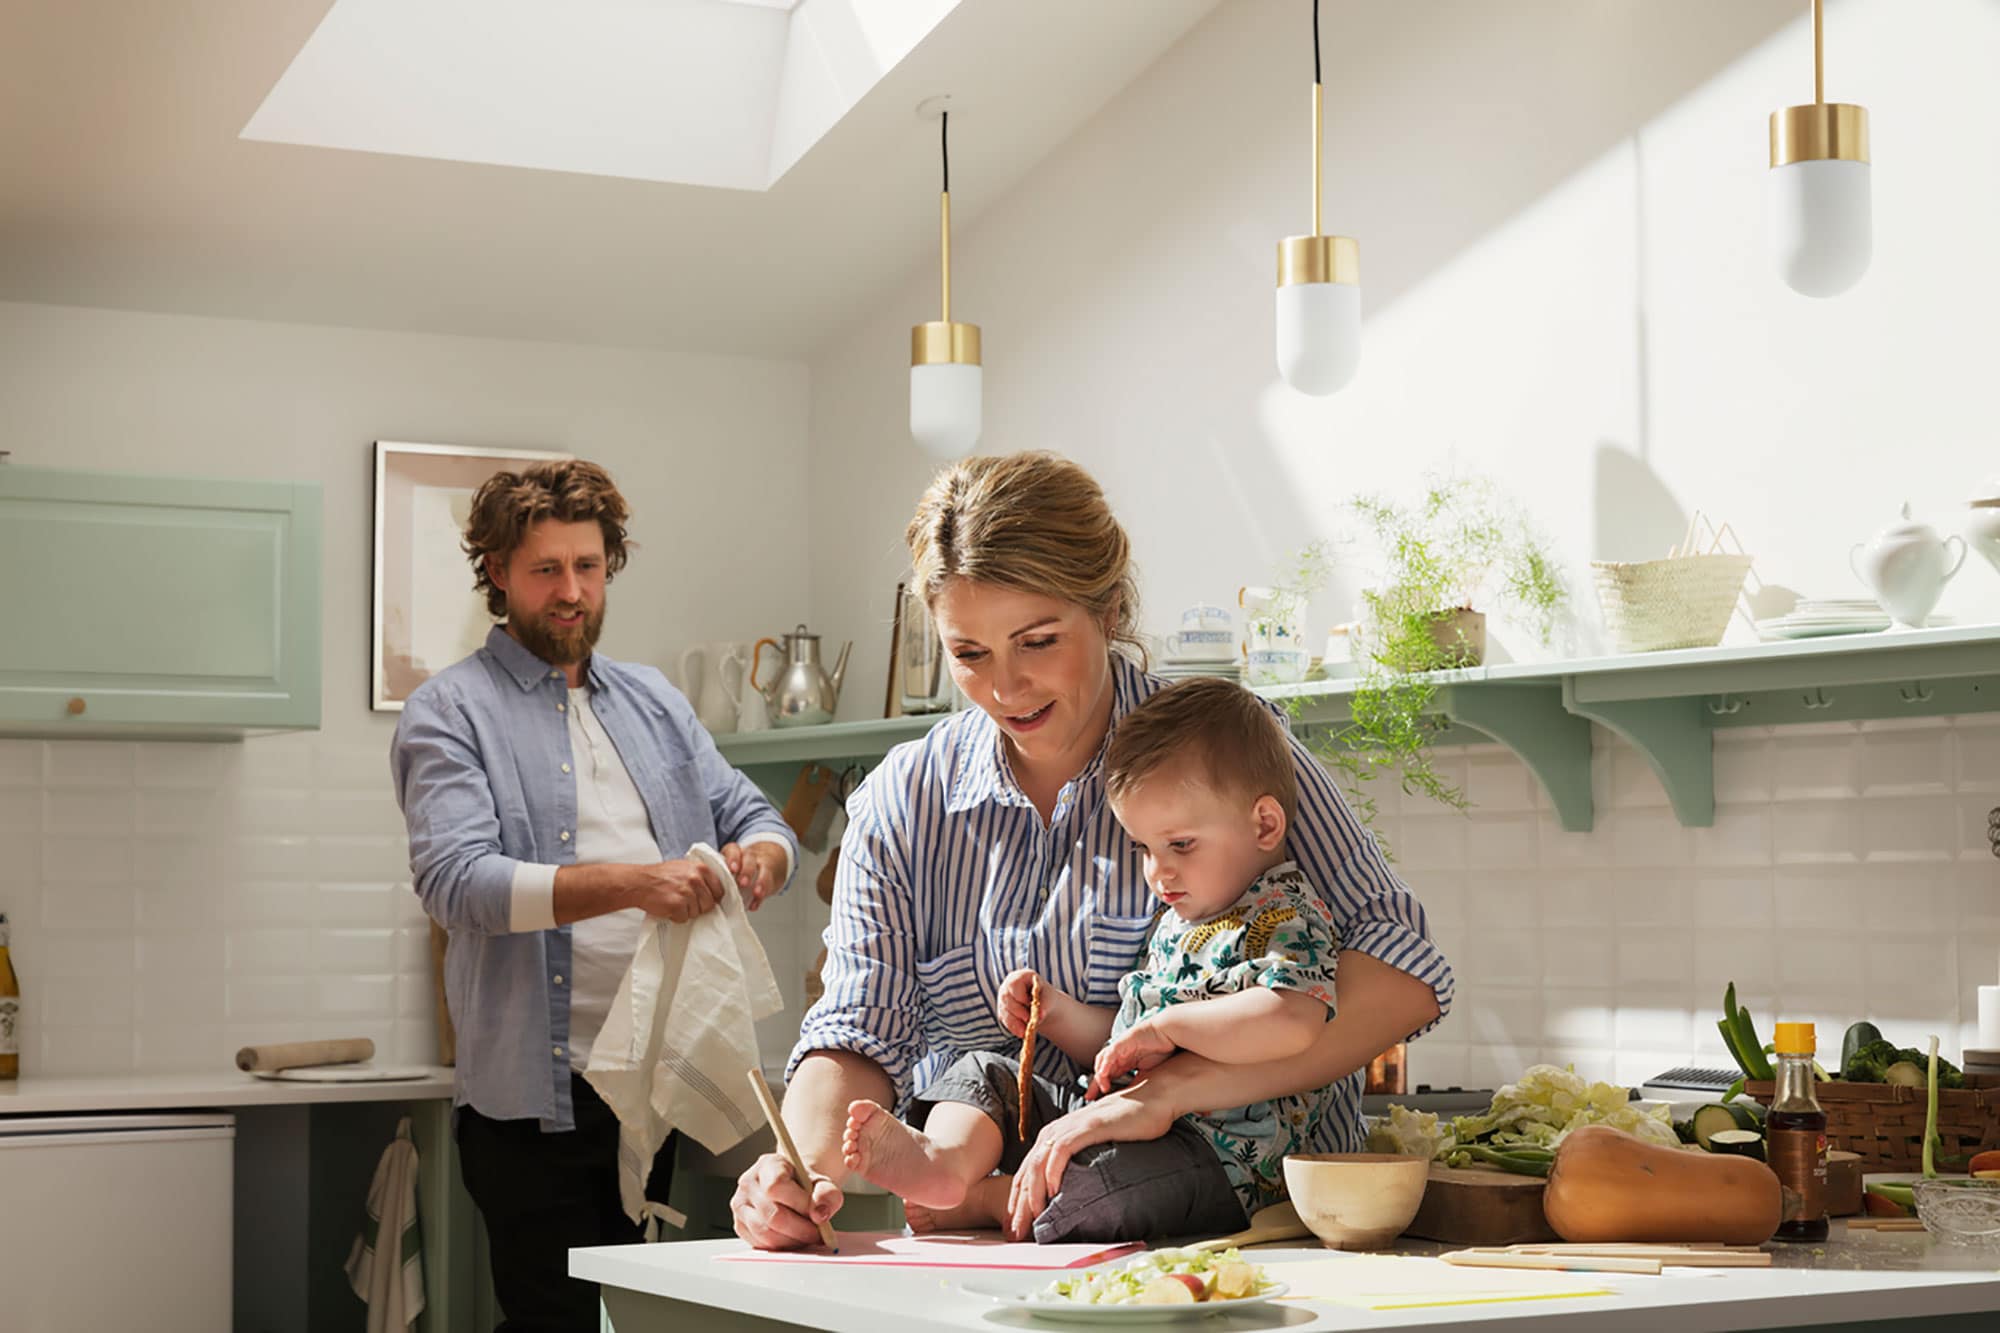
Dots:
{"x": 1795, "y": 1136}
{"x": 10, "y": 1010}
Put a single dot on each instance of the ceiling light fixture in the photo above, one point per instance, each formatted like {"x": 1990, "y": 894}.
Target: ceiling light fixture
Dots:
{"x": 945, "y": 374}
{"x": 1822, "y": 228}
{"x": 1319, "y": 290}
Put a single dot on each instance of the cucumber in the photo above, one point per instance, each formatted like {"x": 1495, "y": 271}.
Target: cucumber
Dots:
{"x": 1716, "y": 1118}
{"x": 1738, "y": 1143}
{"x": 1859, "y": 1035}
{"x": 1905, "y": 1074}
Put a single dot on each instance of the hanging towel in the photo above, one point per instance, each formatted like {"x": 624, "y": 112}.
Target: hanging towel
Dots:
{"x": 386, "y": 1265}
{"x": 680, "y": 1034}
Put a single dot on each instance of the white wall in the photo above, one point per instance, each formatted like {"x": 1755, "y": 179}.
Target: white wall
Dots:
{"x": 171, "y": 902}
{"x": 1559, "y": 207}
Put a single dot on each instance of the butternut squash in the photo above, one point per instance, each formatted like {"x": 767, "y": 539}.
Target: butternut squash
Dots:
{"x": 1607, "y": 1185}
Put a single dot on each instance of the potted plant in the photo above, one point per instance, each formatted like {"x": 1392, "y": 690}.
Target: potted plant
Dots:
{"x": 1459, "y": 542}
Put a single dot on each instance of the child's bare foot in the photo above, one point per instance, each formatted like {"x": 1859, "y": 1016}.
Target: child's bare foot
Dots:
{"x": 985, "y": 1208}
{"x": 901, "y": 1160}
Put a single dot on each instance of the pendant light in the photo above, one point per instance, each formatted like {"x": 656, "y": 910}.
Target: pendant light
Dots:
{"x": 1822, "y": 229}
{"x": 1319, "y": 289}
{"x": 945, "y": 374}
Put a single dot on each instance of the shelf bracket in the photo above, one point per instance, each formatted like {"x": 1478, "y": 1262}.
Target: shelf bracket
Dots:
{"x": 1670, "y": 734}
{"x": 1536, "y": 725}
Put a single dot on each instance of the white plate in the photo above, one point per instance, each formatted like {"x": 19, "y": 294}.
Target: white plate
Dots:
{"x": 1020, "y": 1295}
{"x": 341, "y": 1074}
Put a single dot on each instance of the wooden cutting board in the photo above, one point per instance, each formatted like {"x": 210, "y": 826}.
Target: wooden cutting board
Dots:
{"x": 1477, "y": 1205}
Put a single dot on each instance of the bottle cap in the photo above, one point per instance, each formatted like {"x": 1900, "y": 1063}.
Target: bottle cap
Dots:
{"x": 1794, "y": 1039}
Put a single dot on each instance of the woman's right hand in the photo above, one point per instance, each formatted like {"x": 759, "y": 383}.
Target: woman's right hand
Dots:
{"x": 1017, "y": 992}
{"x": 772, "y": 1212}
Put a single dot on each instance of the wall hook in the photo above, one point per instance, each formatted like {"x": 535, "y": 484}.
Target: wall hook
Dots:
{"x": 1916, "y": 692}
{"x": 1817, "y": 699}
{"x": 1723, "y": 705}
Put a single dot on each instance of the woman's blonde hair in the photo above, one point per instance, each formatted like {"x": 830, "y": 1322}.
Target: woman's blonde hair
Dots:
{"x": 1035, "y": 522}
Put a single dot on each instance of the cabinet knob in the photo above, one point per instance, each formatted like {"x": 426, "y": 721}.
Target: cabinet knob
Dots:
{"x": 76, "y": 707}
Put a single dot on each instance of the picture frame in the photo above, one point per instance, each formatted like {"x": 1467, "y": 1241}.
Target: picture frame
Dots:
{"x": 919, "y": 682}
{"x": 426, "y": 612}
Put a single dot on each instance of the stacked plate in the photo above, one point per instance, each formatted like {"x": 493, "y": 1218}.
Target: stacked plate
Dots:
{"x": 1817, "y": 617}
{"x": 1182, "y": 668}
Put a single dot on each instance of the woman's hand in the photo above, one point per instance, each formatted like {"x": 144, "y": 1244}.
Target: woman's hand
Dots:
{"x": 1113, "y": 1119}
{"x": 1140, "y": 1046}
{"x": 1017, "y": 992}
{"x": 772, "y": 1212}
{"x": 759, "y": 870}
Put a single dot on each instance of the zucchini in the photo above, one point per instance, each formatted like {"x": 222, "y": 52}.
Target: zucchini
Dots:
{"x": 1716, "y": 1118}
{"x": 1858, "y": 1035}
{"x": 1737, "y": 1143}
{"x": 1905, "y": 1074}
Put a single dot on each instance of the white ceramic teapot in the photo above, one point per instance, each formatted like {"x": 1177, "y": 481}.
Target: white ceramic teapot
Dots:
{"x": 1982, "y": 520}
{"x": 1904, "y": 566}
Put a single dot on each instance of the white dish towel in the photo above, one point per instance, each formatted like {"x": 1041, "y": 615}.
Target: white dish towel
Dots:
{"x": 386, "y": 1265}
{"x": 681, "y": 1033}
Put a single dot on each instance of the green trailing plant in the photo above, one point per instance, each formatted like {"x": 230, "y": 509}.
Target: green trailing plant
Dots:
{"x": 1460, "y": 540}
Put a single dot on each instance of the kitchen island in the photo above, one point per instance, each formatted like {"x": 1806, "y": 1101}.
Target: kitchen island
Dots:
{"x": 1859, "y": 1280}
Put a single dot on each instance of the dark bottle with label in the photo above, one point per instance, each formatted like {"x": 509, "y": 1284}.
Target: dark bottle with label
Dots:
{"x": 1795, "y": 1135}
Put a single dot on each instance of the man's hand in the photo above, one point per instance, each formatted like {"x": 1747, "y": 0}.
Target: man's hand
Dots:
{"x": 1140, "y": 1046}
{"x": 759, "y": 870}
{"x": 677, "y": 890}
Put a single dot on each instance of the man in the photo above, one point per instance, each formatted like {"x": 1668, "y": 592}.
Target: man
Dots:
{"x": 551, "y": 796}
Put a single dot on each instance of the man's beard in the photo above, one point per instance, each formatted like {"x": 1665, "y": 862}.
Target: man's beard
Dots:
{"x": 558, "y": 647}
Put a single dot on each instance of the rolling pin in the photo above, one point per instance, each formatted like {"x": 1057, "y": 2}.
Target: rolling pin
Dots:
{"x": 298, "y": 1054}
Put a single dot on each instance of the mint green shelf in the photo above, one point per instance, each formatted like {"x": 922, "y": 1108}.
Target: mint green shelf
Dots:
{"x": 1667, "y": 705}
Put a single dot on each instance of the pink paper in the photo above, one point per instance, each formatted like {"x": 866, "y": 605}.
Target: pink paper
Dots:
{"x": 945, "y": 1249}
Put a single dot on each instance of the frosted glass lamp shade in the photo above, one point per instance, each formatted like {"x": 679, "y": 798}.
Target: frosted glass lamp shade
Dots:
{"x": 945, "y": 407}
{"x": 1822, "y": 224}
{"x": 1319, "y": 335}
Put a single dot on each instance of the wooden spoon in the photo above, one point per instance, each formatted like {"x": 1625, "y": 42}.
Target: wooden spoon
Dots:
{"x": 1279, "y": 1221}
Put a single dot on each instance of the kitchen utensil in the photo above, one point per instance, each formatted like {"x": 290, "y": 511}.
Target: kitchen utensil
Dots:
{"x": 1960, "y": 1212}
{"x": 801, "y": 692}
{"x": 294, "y": 1054}
{"x": 1473, "y": 1205}
{"x": 1982, "y": 520}
{"x": 1353, "y": 1201}
{"x": 1905, "y": 566}
{"x": 1278, "y": 1221}
{"x": 790, "y": 1149}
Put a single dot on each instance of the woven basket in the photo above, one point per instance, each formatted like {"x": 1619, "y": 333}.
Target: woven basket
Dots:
{"x": 1684, "y": 602}
{"x": 1884, "y": 1122}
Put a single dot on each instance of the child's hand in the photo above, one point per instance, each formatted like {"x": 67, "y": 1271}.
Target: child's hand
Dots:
{"x": 1016, "y": 993}
{"x": 1141, "y": 1046}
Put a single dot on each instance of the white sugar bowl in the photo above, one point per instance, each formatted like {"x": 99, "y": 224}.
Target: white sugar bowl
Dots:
{"x": 1905, "y": 566}
{"x": 1982, "y": 520}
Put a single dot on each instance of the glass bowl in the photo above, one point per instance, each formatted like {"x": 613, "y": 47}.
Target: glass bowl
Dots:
{"x": 1960, "y": 1212}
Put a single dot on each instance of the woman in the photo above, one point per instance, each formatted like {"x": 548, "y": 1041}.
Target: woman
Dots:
{"x": 988, "y": 846}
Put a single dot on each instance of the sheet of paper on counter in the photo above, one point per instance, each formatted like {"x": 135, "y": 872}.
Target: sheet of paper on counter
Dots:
{"x": 943, "y": 1249}
{"x": 1406, "y": 1282}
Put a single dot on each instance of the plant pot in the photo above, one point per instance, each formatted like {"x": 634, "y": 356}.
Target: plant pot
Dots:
{"x": 1461, "y": 636}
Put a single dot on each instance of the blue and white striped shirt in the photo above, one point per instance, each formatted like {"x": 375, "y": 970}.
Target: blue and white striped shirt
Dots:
{"x": 948, "y": 880}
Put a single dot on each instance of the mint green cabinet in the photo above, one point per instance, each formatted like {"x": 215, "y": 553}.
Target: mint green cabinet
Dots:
{"x": 169, "y": 607}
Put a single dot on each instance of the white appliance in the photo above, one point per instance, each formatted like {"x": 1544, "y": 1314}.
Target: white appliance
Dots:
{"x": 116, "y": 1222}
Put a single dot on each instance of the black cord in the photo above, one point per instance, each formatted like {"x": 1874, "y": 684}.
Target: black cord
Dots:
{"x": 1315, "y": 41}
{"x": 944, "y": 142}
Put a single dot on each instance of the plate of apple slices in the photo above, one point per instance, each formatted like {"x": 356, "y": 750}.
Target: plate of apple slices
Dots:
{"x": 1156, "y": 1285}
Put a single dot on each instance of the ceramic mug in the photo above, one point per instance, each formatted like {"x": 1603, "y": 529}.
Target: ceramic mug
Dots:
{"x": 1207, "y": 644}
{"x": 1277, "y": 666}
{"x": 1201, "y": 616}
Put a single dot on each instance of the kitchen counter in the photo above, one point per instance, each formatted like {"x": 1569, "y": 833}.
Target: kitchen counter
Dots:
{"x": 1849, "y": 1279}
{"x": 52, "y": 1095}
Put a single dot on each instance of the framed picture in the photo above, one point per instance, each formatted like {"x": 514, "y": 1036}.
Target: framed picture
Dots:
{"x": 918, "y": 680}
{"x": 427, "y": 614}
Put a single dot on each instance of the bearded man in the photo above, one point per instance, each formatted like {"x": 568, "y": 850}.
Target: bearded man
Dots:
{"x": 552, "y": 795}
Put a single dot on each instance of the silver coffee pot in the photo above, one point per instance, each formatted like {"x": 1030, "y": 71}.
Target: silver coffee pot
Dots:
{"x": 801, "y": 693}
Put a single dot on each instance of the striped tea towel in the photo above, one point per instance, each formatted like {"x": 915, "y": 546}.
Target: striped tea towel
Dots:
{"x": 386, "y": 1265}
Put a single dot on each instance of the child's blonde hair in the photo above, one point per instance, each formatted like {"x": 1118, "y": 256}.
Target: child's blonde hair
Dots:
{"x": 1229, "y": 733}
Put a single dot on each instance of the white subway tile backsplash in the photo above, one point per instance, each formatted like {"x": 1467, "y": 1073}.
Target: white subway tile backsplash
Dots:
{"x": 1908, "y": 828}
{"x": 1826, "y": 897}
{"x": 253, "y": 1001}
{"x": 20, "y": 763}
{"x": 1816, "y": 832}
{"x": 1745, "y": 765}
{"x": 74, "y": 859}
{"x": 348, "y": 951}
{"x": 269, "y": 857}
{"x": 1822, "y": 962}
{"x": 354, "y": 997}
{"x": 382, "y": 856}
{"x": 1634, "y": 784}
{"x": 88, "y": 1001}
{"x": 1739, "y": 837}
{"x": 1428, "y": 842}
{"x": 1809, "y": 766}
{"x": 1906, "y": 761}
{"x": 1498, "y": 783}
{"x": 80, "y": 1048}
{"x": 279, "y": 951}
{"x": 84, "y": 905}
{"x": 1917, "y": 900}
{"x": 90, "y": 812}
{"x": 1643, "y": 837}
{"x": 350, "y": 905}
{"x": 1911, "y": 979}
{"x": 1657, "y": 957}
{"x": 194, "y": 764}
{"x": 1977, "y": 754}
{"x": 1576, "y": 957}
{"x": 90, "y": 764}
{"x": 1978, "y": 831}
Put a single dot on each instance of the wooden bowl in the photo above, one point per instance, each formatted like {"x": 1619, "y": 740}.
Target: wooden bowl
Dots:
{"x": 1356, "y": 1200}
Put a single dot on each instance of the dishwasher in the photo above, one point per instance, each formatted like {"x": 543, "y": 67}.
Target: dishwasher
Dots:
{"x": 116, "y": 1221}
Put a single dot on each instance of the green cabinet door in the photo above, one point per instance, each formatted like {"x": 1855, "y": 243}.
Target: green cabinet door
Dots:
{"x": 138, "y": 606}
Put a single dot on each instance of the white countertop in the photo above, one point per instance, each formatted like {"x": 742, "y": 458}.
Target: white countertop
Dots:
{"x": 45, "y": 1095}
{"x": 1866, "y": 1277}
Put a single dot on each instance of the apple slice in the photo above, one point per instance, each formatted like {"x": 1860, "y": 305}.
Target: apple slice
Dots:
{"x": 1234, "y": 1281}
{"x": 1172, "y": 1289}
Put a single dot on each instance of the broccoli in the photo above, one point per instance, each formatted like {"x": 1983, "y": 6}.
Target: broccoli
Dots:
{"x": 1871, "y": 1064}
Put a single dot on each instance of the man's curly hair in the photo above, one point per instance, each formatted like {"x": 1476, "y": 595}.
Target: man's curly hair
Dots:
{"x": 509, "y": 503}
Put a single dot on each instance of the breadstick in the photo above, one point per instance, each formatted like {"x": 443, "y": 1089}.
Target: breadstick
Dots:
{"x": 1028, "y": 1055}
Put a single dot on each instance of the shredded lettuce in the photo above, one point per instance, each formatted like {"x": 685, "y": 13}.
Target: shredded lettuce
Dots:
{"x": 1539, "y": 1111}
{"x": 1121, "y": 1285}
